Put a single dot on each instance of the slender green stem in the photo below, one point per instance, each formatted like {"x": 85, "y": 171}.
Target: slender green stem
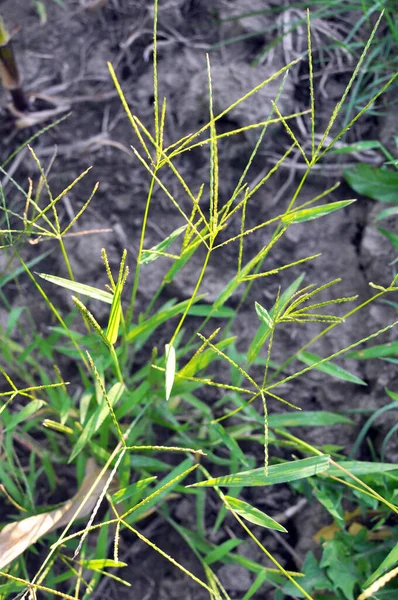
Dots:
{"x": 193, "y": 296}
{"x": 130, "y": 311}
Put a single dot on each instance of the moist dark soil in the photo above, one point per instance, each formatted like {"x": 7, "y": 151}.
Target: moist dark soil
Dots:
{"x": 64, "y": 61}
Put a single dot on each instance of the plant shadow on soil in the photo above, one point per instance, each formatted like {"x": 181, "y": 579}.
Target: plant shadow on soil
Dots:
{"x": 67, "y": 58}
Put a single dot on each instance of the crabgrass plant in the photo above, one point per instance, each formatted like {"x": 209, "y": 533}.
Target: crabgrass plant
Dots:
{"x": 106, "y": 433}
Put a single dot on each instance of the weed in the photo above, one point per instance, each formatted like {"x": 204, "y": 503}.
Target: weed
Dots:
{"x": 137, "y": 435}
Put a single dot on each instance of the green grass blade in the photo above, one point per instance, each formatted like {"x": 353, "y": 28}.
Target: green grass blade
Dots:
{"x": 264, "y": 330}
{"x": 79, "y": 288}
{"x": 307, "y": 418}
{"x": 289, "y": 471}
{"x": 143, "y": 330}
{"x": 252, "y": 514}
{"x": 390, "y": 235}
{"x": 26, "y": 412}
{"x": 115, "y": 316}
{"x": 308, "y": 214}
{"x": 380, "y": 351}
{"x": 309, "y": 358}
{"x": 218, "y": 553}
{"x": 358, "y": 467}
{"x": 170, "y": 369}
{"x": 155, "y": 252}
{"x": 264, "y": 315}
{"x": 126, "y": 493}
{"x": 388, "y": 563}
{"x": 97, "y": 418}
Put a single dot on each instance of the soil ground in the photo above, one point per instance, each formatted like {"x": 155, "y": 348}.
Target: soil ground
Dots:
{"x": 67, "y": 58}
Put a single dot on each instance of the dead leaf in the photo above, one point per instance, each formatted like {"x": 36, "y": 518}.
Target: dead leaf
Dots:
{"x": 16, "y": 537}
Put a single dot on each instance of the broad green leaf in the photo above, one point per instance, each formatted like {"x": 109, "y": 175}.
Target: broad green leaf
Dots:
{"x": 389, "y": 349}
{"x": 221, "y": 550}
{"x": 309, "y": 214}
{"x": 359, "y": 467}
{"x": 97, "y": 418}
{"x": 79, "y": 288}
{"x": 263, "y": 331}
{"x": 264, "y": 315}
{"x": 376, "y": 183}
{"x": 314, "y": 579}
{"x": 344, "y": 573}
{"x": 26, "y": 412}
{"x": 170, "y": 369}
{"x": 331, "y": 369}
{"x": 127, "y": 492}
{"x": 253, "y": 515}
{"x": 288, "y": 471}
{"x": 305, "y": 418}
{"x": 152, "y": 254}
{"x": 390, "y": 235}
{"x": 388, "y": 563}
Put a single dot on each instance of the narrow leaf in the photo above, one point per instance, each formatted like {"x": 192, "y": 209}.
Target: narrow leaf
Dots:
{"x": 358, "y": 467}
{"x": 331, "y": 369}
{"x": 389, "y": 349}
{"x": 97, "y": 418}
{"x": 263, "y": 331}
{"x": 116, "y": 308}
{"x": 307, "y": 418}
{"x": 264, "y": 315}
{"x": 127, "y": 492}
{"x": 170, "y": 369}
{"x": 101, "y": 563}
{"x": 357, "y": 147}
{"x": 79, "y": 288}
{"x": 26, "y": 412}
{"x": 387, "y": 213}
{"x": 253, "y": 515}
{"x": 288, "y": 471}
{"x": 220, "y": 551}
{"x": 390, "y": 235}
{"x": 200, "y": 361}
{"x": 388, "y": 563}
{"x": 143, "y": 330}
{"x": 309, "y": 214}
{"x": 149, "y": 256}
{"x": 204, "y": 310}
